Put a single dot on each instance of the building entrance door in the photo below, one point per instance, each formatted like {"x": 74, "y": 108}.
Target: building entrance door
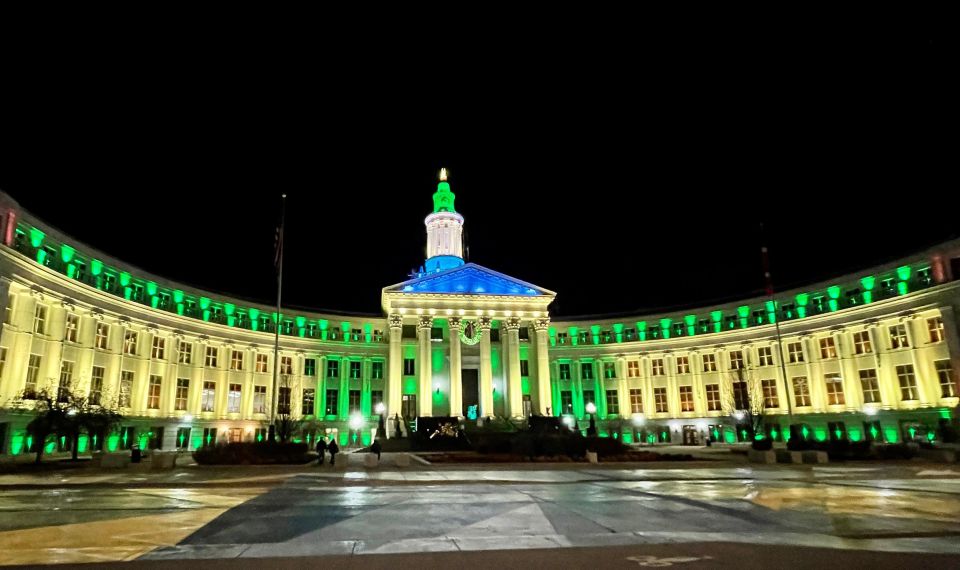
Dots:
{"x": 470, "y": 391}
{"x": 690, "y": 435}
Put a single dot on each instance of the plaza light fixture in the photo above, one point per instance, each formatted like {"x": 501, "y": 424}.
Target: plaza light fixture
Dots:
{"x": 591, "y": 408}
{"x": 568, "y": 421}
{"x": 871, "y": 411}
{"x": 356, "y": 421}
{"x": 738, "y": 414}
{"x": 638, "y": 419}
{"x": 380, "y": 408}
{"x": 187, "y": 418}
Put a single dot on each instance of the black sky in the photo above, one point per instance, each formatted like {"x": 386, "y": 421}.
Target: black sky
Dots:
{"x": 624, "y": 178}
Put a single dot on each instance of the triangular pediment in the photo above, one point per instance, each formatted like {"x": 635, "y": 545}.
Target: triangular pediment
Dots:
{"x": 469, "y": 279}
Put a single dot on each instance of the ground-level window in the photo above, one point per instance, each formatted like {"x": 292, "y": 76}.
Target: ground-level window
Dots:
{"x": 332, "y": 400}
{"x": 636, "y": 401}
{"x": 566, "y": 402}
{"x": 948, "y": 383}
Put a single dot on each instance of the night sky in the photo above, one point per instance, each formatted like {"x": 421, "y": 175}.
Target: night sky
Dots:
{"x": 625, "y": 180}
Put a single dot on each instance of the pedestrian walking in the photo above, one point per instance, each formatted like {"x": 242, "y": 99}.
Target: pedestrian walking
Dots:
{"x": 375, "y": 448}
{"x": 321, "y": 450}
{"x": 334, "y": 449}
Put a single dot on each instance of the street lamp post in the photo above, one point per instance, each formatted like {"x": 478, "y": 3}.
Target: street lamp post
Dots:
{"x": 381, "y": 428}
{"x": 356, "y": 422}
{"x": 592, "y": 410}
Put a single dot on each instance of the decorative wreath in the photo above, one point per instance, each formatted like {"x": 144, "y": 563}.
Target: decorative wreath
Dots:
{"x": 470, "y": 333}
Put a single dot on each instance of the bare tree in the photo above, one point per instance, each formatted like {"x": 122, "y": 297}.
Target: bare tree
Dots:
{"x": 744, "y": 402}
{"x": 284, "y": 423}
{"x": 66, "y": 413}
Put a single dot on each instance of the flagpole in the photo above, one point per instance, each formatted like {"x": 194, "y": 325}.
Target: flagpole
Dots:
{"x": 276, "y": 336}
{"x": 776, "y": 321}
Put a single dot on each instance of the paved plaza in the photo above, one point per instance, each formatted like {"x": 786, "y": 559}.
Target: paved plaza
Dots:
{"x": 673, "y": 510}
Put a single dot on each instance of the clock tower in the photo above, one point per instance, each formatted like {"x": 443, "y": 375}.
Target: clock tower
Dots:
{"x": 444, "y": 230}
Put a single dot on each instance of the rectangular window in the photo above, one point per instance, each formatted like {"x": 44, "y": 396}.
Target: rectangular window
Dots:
{"x": 683, "y": 365}
{"x": 765, "y": 355}
{"x": 586, "y": 370}
{"x": 66, "y": 379}
{"x": 633, "y": 369}
{"x": 709, "y": 363}
{"x": 713, "y": 397}
{"x": 898, "y": 336}
{"x": 33, "y": 372}
{"x": 309, "y": 366}
{"x": 908, "y": 383}
{"x": 236, "y": 360}
{"x": 828, "y": 349}
{"x": 741, "y": 396}
{"x": 356, "y": 370}
{"x": 376, "y": 398}
{"x": 183, "y": 438}
{"x": 209, "y": 436}
{"x": 636, "y": 401}
{"x": 354, "y": 404}
{"x": 588, "y": 398}
{"x": 660, "y": 399}
{"x": 212, "y": 353}
{"x": 736, "y": 359}
{"x": 613, "y": 403}
{"x": 333, "y": 368}
{"x": 795, "y": 352}
{"x": 153, "y": 392}
{"x": 332, "y": 401}
{"x": 834, "y": 390}
{"x": 183, "y": 388}
{"x": 208, "y": 396}
{"x": 260, "y": 434}
{"x": 306, "y": 408}
{"x": 286, "y": 365}
{"x": 935, "y": 326}
{"x": 3, "y": 364}
{"x": 103, "y": 336}
{"x": 130, "y": 342}
{"x": 770, "y": 398}
{"x": 159, "y": 349}
{"x": 126, "y": 388}
{"x": 948, "y": 384}
{"x": 564, "y": 370}
{"x": 525, "y": 368}
{"x": 656, "y": 367}
{"x": 686, "y": 398}
{"x": 376, "y": 370}
{"x": 861, "y": 343}
{"x": 262, "y": 360}
{"x": 259, "y": 399}
{"x": 73, "y": 325}
{"x": 609, "y": 370}
{"x": 283, "y": 400}
{"x": 870, "y": 386}
{"x": 566, "y": 402}
{"x": 801, "y": 391}
{"x": 185, "y": 353}
{"x": 40, "y": 319}
{"x": 233, "y": 398}
{"x": 236, "y": 435}
{"x": 8, "y": 313}
{"x": 96, "y": 385}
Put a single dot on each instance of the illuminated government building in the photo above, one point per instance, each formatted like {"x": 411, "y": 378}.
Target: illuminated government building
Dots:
{"x": 871, "y": 355}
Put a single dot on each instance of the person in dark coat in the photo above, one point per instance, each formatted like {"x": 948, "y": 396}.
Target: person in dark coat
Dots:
{"x": 334, "y": 449}
{"x": 321, "y": 449}
{"x": 375, "y": 448}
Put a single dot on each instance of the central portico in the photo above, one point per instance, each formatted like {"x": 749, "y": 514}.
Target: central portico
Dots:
{"x": 465, "y": 339}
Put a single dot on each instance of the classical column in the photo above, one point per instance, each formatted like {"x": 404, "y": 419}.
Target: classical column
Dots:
{"x": 544, "y": 400}
{"x": 929, "y": 391}
{"x": 514, "y": 390}
{"x": 424, "y": 367}
{"x": 486, "y": 372}
{"x": 623, "y": 393}
{"x": 852, "y": 391}
{"x": 456, "y": 387}
{"x": 395, "y": 372}
{"x": 365, "y": 403}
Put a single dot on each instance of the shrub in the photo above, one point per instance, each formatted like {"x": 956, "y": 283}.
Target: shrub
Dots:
{"x": 260, "y": 453}
{"x": 765, "y": 444}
